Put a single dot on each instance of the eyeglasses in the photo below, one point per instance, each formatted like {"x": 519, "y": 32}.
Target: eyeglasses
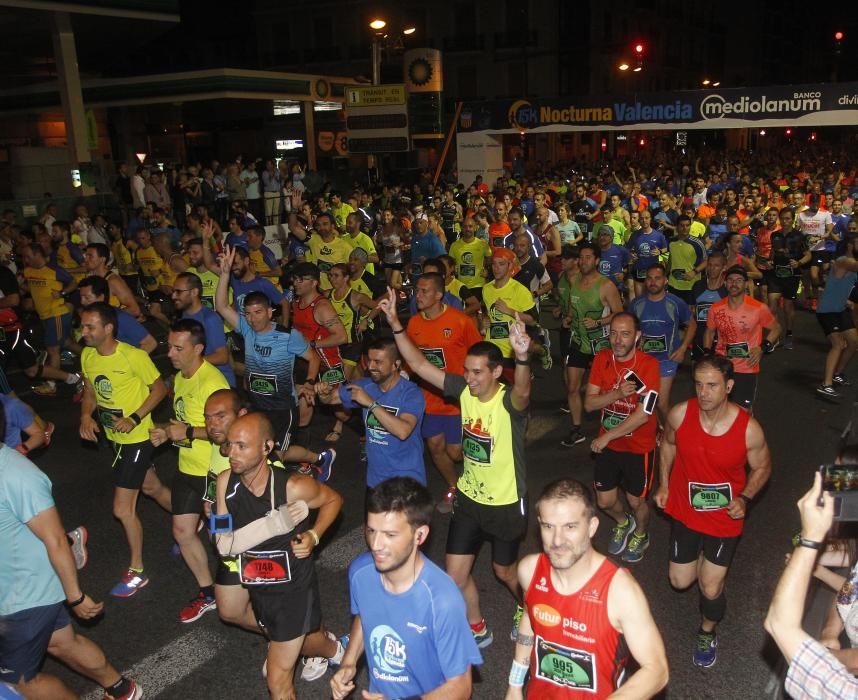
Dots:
{"x": 179, "y": 291}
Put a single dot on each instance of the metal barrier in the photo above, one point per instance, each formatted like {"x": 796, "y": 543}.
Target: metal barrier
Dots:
{"x": 29, "y": 211}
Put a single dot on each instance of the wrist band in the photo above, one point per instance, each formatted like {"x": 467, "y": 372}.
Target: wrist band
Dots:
{"x": 189, "y": 433}
{"x": 314, "y": 535}
{"x": 75, "y": 603}
{"x": 372, "y": 406}
{"x": 523, "y": 363}
{"x": 517, "y": 674}
{"x": 401, "y": 330}
{"x": 745, "y": 498}
{"x": 137, "y": 419}
{"x": 810, "y": 544}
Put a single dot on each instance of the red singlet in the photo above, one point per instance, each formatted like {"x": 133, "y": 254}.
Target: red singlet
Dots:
{"x": 304, "y": 321}
{"x": 577, "y": 653}
{"x": 707, "y": 474}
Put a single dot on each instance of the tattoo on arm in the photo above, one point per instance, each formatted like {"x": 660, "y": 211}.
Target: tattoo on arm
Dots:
{"x": 330, "y": 322}
{"x": 526, "y": 640}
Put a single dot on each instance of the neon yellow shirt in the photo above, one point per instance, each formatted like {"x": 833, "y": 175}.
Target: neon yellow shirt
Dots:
{"x": 326, "y": 255}
{"x": 189, "y": 401}
{"x": 518, "y": 298}
{"x": 470, "y": 261}
{"x": 121, "y": 382}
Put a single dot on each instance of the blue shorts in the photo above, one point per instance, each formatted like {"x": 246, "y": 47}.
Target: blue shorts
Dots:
{"x": 57, "y": 330}
{"x": 448, "y": 426}
{"x": 666, "y": 368}
{"x": 25, "y": 640}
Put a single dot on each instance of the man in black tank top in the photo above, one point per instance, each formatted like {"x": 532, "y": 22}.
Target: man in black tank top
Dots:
{"x": 278, "y": 573}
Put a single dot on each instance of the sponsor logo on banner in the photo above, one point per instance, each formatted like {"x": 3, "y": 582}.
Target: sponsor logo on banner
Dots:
{"x": 716, "y": 106}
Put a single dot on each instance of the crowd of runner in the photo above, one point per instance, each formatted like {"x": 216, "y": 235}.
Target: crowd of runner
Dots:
{"x": 414, "y": 315}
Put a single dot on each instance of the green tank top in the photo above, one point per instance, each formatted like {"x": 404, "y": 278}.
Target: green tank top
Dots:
{"x": 587, "y": 304}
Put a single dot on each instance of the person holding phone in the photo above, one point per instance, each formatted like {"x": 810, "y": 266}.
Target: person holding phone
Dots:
{"x": 620, "y": 379}
{"x": 708, "y": 441}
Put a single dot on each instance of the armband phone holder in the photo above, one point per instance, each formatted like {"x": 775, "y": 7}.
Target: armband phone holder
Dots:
{"x": 220, "y": 523}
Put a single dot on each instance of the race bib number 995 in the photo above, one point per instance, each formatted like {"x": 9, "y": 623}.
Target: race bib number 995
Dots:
{"x": 568, "y": 668}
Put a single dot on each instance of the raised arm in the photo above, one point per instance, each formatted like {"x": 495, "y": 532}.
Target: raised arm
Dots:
{"x": 222, "y": 305}
{"x": 415, "y": 359}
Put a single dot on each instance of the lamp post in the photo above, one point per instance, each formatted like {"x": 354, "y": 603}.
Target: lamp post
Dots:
{"x": 378, "y": 35}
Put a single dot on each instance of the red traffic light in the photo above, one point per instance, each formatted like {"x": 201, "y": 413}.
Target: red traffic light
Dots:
{"x": 838, "y": 36}
{"x": 639, "y": 48}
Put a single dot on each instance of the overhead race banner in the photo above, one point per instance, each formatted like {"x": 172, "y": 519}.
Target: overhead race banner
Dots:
{"x": 802, "y": 105}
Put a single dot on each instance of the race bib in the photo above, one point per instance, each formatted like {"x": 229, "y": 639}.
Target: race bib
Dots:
{"x": 703, "y": 497}
{"x": 264, "y": 568}
{"x": 678, "y": 274}
{"x": 108, "y": 416}
{"x": 333, "y": 376}
{"x": 210, "y": 494}
{"x": 435, "y": 356}
{"x": 654, "y": 343}
{"x": 324, "y": 265}
{"x": 476, "y": 447}
{"x": 783, "y": 271}
{"x": 611, "y": 419}
{"x": 499, "y": 330}
{"x": 467, "y": 271}
{"x": 416, "y": 268}
{"x": 738, "y": 350}
{"x": 640, "y": 274}
{"x": 564, "y": 666}
{"x": 262, "y": 384}
{"x": 702, "y": 314}
{"x": 149, "y": 281}
{"x": 597, "y": 344}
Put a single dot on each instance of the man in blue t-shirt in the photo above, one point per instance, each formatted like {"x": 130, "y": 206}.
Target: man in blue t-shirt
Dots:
{"x": 646, "y": 246}
{"x": 392, "y": 412}
{"x": 614, "y": 259}
{"x": 662, "y": 315}
{"x": 409, "y": 616}
{"x": 38, "y": 586}
{"x": 244, "y": 281}
{"x": 270, "y": 350}
{"x": 188, "y": 300}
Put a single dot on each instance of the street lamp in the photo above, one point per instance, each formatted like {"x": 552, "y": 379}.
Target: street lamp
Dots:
{"x": 377, "y": 25}
{"x": 382, "y": 40}
{"x": 623, "y": 66}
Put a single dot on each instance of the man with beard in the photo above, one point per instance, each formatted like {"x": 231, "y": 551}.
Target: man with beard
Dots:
{"x": 621, "y": 378}
{"x": 706, "y": 490}
{"x": 409, "y": 616}
{"x": 278, "y": 572}
{"x": 582, "y": 608}
{"x": 392, "y": 410}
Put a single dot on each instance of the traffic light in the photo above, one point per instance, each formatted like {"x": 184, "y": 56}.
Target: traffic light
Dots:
{"x": 639, "y": 54}
{"x": 838, "y": 41}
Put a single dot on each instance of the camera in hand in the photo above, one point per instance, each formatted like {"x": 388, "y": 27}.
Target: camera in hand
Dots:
{"x": 841, "y": 481}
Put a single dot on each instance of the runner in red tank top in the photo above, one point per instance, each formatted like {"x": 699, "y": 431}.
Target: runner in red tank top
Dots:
{"x": 315, "y": 318}
{"x": 583, "y": 612}
{"x": 707, "y": 443}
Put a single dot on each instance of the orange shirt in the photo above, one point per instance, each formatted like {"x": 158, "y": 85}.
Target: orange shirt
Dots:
{"x": 705, "y": 212}
{"x": 444, "y": 341}
{"x": 498, "y": 230}
{"x": 608, "y": 374}
{"x": 739, "y": 330}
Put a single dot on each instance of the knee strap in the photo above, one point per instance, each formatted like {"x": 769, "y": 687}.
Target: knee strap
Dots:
{"x": 713, "y": 609}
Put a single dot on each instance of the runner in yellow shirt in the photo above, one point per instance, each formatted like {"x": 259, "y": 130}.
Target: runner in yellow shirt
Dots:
{"x": 326, "y": 248}
{"x": 195, "y": 381}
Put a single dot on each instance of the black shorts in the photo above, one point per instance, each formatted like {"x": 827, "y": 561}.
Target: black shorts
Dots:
{"x": 25, "y": 639}
{"x": 131, "y": 463}
{"x": 393, "y": 266}
{"x": 472, "y": 523}
{"x": 684, "y": 294}
{"x": 836, "y": 321}
{"x": 578, "y": 359}
{"x": 820, "y": 258}
{"x": 186, "y": 494}
{"x": 226, "y": 571}
{"x": 351, "y": 352}
{"x": 630, "y": 471}
{"x": 786, "y": 286}
{"x": 686, "y": 545}
{"x": 283, "y": 422}
{"x": 13, "y": 345}
{"x": 284, "y": 614}
{"x": 744, "y": 389}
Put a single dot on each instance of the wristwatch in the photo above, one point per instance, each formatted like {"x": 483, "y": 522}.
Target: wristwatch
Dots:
{"x": 189, "y": 433}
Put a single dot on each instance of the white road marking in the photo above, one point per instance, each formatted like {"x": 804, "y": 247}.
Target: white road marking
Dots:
{"x": 170, "y": 664}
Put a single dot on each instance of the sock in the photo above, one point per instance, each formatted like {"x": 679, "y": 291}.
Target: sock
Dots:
{"x": 207, "y": 591}
{"x": 337, "y": 658}
{"x": 136, "y": 571}
{"x": 703, "y": 632}
{"x": 119, "y": 689}
{"x": 73, "y": 378}
{"x": 479, "y": 627}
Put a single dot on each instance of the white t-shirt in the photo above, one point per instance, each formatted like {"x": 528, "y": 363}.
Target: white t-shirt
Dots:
{"x": 814, "y": 227}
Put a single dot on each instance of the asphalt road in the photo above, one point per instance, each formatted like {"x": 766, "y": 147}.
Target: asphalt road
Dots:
{"x": 207, "y": 659}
